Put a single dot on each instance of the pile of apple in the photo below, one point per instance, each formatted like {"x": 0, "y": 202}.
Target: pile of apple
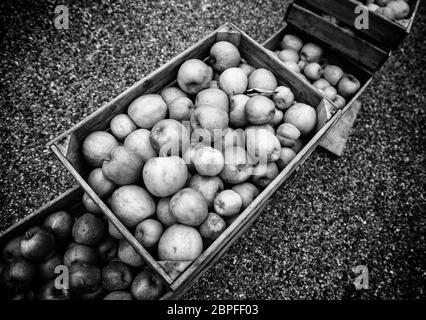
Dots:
{"x": 92, "y": 258}
{"x": 181, "y": 165}
{"x": 307, "y": 61}
{"x": 398, "y": 10}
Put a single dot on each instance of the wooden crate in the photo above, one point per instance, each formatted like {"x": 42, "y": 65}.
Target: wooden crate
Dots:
{"x": 386, "y": 32}
{"x": 179, "y": 276}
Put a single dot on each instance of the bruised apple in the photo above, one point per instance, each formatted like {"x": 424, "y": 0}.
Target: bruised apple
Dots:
{"x": 147, "y": 110}
{"x": 180, "y": 243}
{"x": 194, "y": 75}
{"x": 138, "y": 141}
{"x": 189, "y": 207}
{"x": 180, "y": 109}
{"x": 124, "y": 166}
{"x": 97, "y": 147}
{"x": 302, "y": 116}
{"x": 169, "y": 137}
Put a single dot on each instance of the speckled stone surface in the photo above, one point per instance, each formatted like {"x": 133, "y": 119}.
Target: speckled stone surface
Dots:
{"x": 367, "y": 207}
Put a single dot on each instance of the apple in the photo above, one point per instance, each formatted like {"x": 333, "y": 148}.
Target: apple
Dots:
{"x": 287, "y": 134}
{"x": 132, "y": 204}
{"x": 321, "y": 84}
{"x": 37, "y": 244}
{"x": 46, "y": 268}
{"x": 194, "y": 75}
{"x": 224, "y": 55}
{"x": 169, "y": 137}
{"x": 373, "y": 7}
{"x": 283, "y": 98}
{"x": 262, "y": 145}
{"x": 114, "y": 232}
{"x": 311, "y": 52}
{"x": 237, "y": 118}
{"x": 165, "y": 176}
{"x": 80, "y": 254}
{"x": 123, "y": 167}
{"x": 180, "y": 243}
{"x": 49, "y": 292}
{"x": 18, "y": 275}
{"x": 116, "y": 275}
{"x": 89, "y": 230}
{"x": 118, "y": 295}
{"x": 209, "y": 187}
{"x": 302, "y": 116}
{"x": 238, "y": 165}
{"x": 215, "y": 98}
{"x": 128, "y": 254}
{"x": 99, "y": 183}
{"x": 208, "y": 161}
{"x": 170, "y": 94}
{"x": 212, "y": 227}
{"x": 189, "y": 207}
{"x": 121, "y": 126}
{"x": 227, "y": 203}
{"x": 180, "y": 109}
{"x": 247, "y": 191}
{"x": 147, "y": 286}
{"x": 163, "y": 213}
{"x": 97, "y": 147}
{"x": 286, "y": 156}
{"x": 278, "y": 118}
{"x": 289, "y": 55}
{"x": 332, "y": 74}
{"x": 138, "y": 141}
{"x": 259, "y": 110}
{"x": 387, "y": 12}
{"x": 313, "y": 71}
{"x": 401, "y": 9}
{"x": 97, "y": 294}
{"x": 233, "y": 81}
{"x": 330, "y": 93}
{"x": 147, "y": 110}
{"x": 90, "y": 205}
{"x": 12, "y": 249}
{"x": 262, "y": 79}
{"x": 264, "y": 174}
{"x": 348, "y": 86}
{"x": 339, "y": 101}
{"x": 248, "y": 69}
{"x": 230, "y": 138}
{"x": 60, "y": 224}
{"x": 209, "y": 120}
{"x": 107, "y": 250}
{"x": 148, "y": 233}
{"x": 84, "y": 279}
{"x": 291, "y": 42}
{"x": 293, "y": 66}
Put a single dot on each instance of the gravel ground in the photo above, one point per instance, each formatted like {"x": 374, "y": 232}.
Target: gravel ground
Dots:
{"x": 367, "y": 207}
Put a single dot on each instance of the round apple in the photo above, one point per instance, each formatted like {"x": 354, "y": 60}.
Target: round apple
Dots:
{"x": 89, "y": 230}
{"x": 194, "y": 75}
{"x": 208, "y": 161}
{"x": 247, "y": 191}
{"x": 321, "y": 84}
{"x": 169, "y": 137}
{"x": 262, "y": 145}
{"x": 99, "y": 183}
{"x": 259, "y": 110}
{"x": 138, "y": 141}
{"x": 147, "y": 110}
{"x": 163, "y": 213}
{"x": 60, "y": 225}
{"x": 180, "y": 109}
{"x": 209, "y": 121}
{"x": 84, "y": 279}
{"x": 313, "y": 71}
{"x": 147, "y": 286}
{"x": 227, "y": 203}
{"x": 332, "y": 74}
{"x": 215, "y": 98}
{"x": 311, "y": 52}
{"x": 121, "y": 126}
{"x": 286, "y": 156}
{"x": 37, "y": 244}
{"x": 238, "y": 165}
{"x": 291, "y": 41}
{"x": 80, "y": 254}
{"x": 170, "y": 94}
{"x": 302, "y": 116}
{"x": 148, "y": 233}
{"x": 283, "y": 98}
{"x": 339, "y": 101}
{"x": 90, "y": 205}
{"x": 237, "y": 117}
{"x": 262, "y": 79}
{"x": 212, "y": 227}
{"x": 180, "y": 243}
{"x": 233, "y": 81}
{"x": 289, "y": 55}
{"x": 189, "y": 207}
{"x": 348, "y": 86}
{"x": 264, "y": 174}
{"x": 224, "y": 55}
{"x": 123, "y": 167}
{"x": 287, "y": 134}
{"x": 97, "y": 147}
{"x": 116, "y": 275}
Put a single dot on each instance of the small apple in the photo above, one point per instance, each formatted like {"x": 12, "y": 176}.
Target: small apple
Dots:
{"x": 49, "y": 292}
{"x": 208, "y": 161}
{"x": 89, "y": 230}
{"x": 165, "y": 176}
{"x": 248, "y": 69}
{"x": 291, "y": 41}
{"x": 262, "y": 145}
{"x": 121, "y": 126}
{"x": 215, "y": 98}
{"x": 259, "y": 110}
{"x": 147, "y": 286}
{"x": 224, "y": 55}
{"x": 46, "y": 269}
{"x": 118, "y": 295}
{"x": 209, "y": 187}
{"x": 313, "y": 71}
{"x": 169, "y": 137}
{"x": 99, "y": 183}
{"x": 128, "y": 254}
{"x": 180, "y": 109}
{"x": 227, "y": 203}
{"x": 233, "y": 81}
{"x": 116, "y": 275}
{"x": 80, "y": 254}
{"x": 90, "y": 205}
{"x": 237, "y": 118}
{"x": 212, "y": 227}
{"x": 262, "y": 79}
{"x": 170, "y": 94}
{"x": 148, "y": 233}
{"x": 287, "y": 134}
{"x": 97, "y": 147}
{"x": 147, "y": 110}
{"x": 293, "y": 66}
{"x": 84, "y": 279}
{"x": 332, "y": 74}
{"x": 163, "y": 213}
{"x": 18, "y": 275}
{"x": 278, "y": 118}
{"x": 286, "y": 156}
{"x": 238, "y": 165}
{"x": 114, "y": 232}
{"x": 60, "y": 224}
{"x": 302, "y": 116}
{"x": 180, "y": 243}
{"x": 138, "y": 141}
{"x": 211, "y": 119}
{"x": 194, "y": 75}
{"x": 330, "y": 93}
{"x": 189, "y": 207}
{"x": 289, "y": 55}
{"x": 283, "y": 98}
{"x": 37, "y": 244}
{"x": 321, "y": 84}
{"x": 311, "y": 52}
{"x": 12, "y": 249}
{"x": 264, "y": 174}
{"x": 348, "y": 86}
{"x": 339, "y": 101}
{"x": 247, "y": 191}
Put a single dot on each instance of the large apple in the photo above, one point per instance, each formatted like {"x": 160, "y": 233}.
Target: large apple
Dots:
{"x": 148, "y": 233}
{"x": 247, "y": 191}
{"x": 128, "y": 254}
{"x": 262, "y": 145}
{"x": 60, "y": 225}
{"x": 116, "y": 275}
{"x": 189, "y": 207}
{"x": 224, "y": 55}
{"x": 209, "y": 187}
{"x": 80, "y": 254}
{"x": 99, "y": 183}
{"x": 208, "y": 161}
{"x": 132, "y": 204}
{"x": 89, "y": 230}
{"x": 237, "y": 117}
{"x": 259, "y": 110}
{"x": 163, "y": 213}
{"x": 302, "y": 116}
{"x": 211, "y": 97}
{"x": 180, "y": 243}
{"x": 233, "y": 81}
{"x": 169, "y": 137}
{"x": 147, "y": 110}
{"x": 84, "y": 279}
{"x": 165, "y": 176}
{"x": 262, "y": 79}
{"x": 138, "y": 141}
{"x": 228, "y": 203}
{"x": 194, "y": 75}
{"x": 238, "y": 165}
{"x": 170, "y": 94}
{"x": 123, "y": 167}
{"x": 147, "y": 286}
{"x": 97, "y": 147}
{"x": 180, "y": 109}
{"x": 121, "y": 126}
{"x": 37, "y": 244}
